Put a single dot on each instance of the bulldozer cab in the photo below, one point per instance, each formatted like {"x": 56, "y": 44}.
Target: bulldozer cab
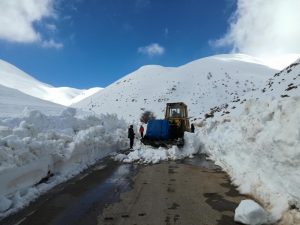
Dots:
{"x": 176, "y": 110}
{"x": 177, "y": 115}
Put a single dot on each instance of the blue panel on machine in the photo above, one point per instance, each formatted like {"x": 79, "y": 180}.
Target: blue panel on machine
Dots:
{"x": 158, "y": 129}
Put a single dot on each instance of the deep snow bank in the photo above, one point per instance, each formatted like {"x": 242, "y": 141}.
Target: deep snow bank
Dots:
{"x": 34, "y": 144}
{"x": 260, "y": 150}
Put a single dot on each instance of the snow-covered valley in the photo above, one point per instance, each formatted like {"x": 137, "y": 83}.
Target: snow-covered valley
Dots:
{"x": 246, "y": 116}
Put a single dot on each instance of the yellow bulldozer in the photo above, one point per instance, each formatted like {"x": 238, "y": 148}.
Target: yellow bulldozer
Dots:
{"x": 168, "y": 131}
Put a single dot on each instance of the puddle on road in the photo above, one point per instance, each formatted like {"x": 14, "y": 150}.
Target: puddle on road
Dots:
{"x": 95, "y": 199}
{"x": 201, "y": 161}
{"x": 79, "y": 200}
{"x": 109, "y": 191}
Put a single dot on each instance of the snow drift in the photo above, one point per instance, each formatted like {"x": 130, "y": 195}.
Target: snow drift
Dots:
{"x": 260, "y": 151}
{"x": 35, "y": 144}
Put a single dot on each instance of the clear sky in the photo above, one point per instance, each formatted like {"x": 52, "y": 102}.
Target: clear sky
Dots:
{"x": 87, "y": 43}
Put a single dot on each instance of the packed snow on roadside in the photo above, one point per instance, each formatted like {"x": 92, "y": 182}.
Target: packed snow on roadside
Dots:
{"x": 260, "y": 151}
{"x": 145, "y": 154}
{"x": 33, "y": 145}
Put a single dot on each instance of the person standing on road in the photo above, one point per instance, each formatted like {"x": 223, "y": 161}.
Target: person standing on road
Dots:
{"x": 142, "y": 131}
{"x": 192, "y": 128}
{"x": 131, "y": 135}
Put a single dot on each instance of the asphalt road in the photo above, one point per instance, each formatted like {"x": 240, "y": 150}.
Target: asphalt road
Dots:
{"x": 188, "y": 192}
{"x": 192, "y": 192}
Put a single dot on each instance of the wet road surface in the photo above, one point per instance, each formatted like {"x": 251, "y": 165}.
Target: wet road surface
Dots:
{"x": 79, "y": 200}
{"x": 192, "y": 191}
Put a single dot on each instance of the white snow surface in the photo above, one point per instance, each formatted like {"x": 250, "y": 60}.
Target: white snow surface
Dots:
{"x": 12, "y": 77}
{"x": 201, "y": 84}
{"x": 14, "y": 103}
{"x": 249, "y": 212}
{"x": 146, "y": 154}
{"x": 66, "y": 144}
{"x": 260, "y": 151}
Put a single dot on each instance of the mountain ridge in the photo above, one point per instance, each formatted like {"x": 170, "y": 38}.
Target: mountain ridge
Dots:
{"x": 13, "y": 77}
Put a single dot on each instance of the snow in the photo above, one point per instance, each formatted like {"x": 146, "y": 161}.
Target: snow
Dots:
{"x": 201, "y": 84}
{"x": 249, "y": 212}
{"x": 84, "y": 94}
{"x": 260, "y": 151}
{"x": 253, "y": 135}
{"x": 12, "y": 77}
{"x": 4, "y": 204}
{"x": 14, "y": 103}
{"x": 146, "y": 154}
{"x": 64, "y": 144}
{"x": 257, "y": 144}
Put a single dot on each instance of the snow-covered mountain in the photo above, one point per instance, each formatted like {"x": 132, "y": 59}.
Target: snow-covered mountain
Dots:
{"x": 201, "y": 84}
{"x": 12, "y": 77}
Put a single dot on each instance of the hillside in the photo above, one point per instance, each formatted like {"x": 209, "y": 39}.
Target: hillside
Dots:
{"x": 13, "y": 103}
{"x": 12, "y": 77}
{"x": 283, "y": 84}
{"x": 201, "y": 84}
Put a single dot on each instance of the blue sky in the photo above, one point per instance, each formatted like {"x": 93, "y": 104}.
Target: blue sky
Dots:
{"x": 87, "y": 43}
{"x": 101, "y": 38}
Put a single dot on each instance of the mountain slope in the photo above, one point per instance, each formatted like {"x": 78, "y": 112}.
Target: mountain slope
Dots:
{"x": 12, "y": 77}
{"x": 286, "y": 83}
{"x": 201, "y": 84}
{"x": 283, "y": 84}
{"x": 13, "y": 103}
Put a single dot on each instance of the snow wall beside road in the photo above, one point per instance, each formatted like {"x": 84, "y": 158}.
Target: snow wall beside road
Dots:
{"x": 260, "y": 150}
{"x": 34, "y": 144}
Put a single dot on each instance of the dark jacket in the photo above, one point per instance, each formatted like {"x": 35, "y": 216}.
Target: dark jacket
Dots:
{"x": 192, "y": 128}
{"x": 131, "y": 133}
